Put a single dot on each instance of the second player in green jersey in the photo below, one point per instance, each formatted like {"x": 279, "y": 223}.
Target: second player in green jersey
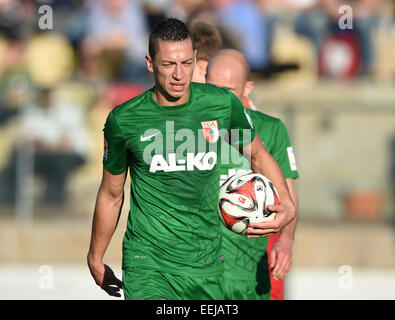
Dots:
{"x": 246, "y": 260}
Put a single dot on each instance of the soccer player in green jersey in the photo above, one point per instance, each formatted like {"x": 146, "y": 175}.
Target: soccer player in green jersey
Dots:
{"x": 169, "y": 138}
{"x": 246, "y": 269}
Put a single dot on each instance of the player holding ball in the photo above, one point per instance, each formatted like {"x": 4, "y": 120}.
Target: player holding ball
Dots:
{"x": 172, "y": 244}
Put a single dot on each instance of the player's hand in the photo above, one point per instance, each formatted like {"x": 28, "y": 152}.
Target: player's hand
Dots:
{"x": 281, "y": 258}
{"x": 284, "y": 215}
{"x": 106, "y": 279}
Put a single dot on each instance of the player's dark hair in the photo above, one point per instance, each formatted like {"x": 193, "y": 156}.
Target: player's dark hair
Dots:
{"x": 170, "y": 29}
{"x": 206, "y": 38}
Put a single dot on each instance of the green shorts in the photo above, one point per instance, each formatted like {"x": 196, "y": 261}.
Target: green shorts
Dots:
{"x": 155, "y": 285}
{"x": 237, "y": 289}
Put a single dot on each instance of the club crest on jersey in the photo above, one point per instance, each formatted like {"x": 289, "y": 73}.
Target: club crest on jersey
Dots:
{"x": 210, "y": 130}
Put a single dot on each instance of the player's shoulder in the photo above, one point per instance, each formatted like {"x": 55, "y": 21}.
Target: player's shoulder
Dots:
{"x": 257, "y": 115}
{"x": 130, "y": 105}
{"x": 206, "y": 88}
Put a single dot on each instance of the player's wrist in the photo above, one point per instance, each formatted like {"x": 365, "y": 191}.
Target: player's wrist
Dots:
{"x": 286, "y": 238}
{"x": 94, "y": 261}
{"x": 290, "y": 209}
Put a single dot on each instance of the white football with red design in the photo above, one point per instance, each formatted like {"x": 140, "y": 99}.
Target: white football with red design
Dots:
{"x": 244, "y": 198}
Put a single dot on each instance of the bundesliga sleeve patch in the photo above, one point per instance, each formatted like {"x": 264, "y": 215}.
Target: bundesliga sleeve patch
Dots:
{"x": 105, "y": 153}
{"x": 291, "y": 158}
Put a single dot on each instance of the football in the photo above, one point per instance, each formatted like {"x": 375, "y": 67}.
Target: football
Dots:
{"x": 244, "y": 198}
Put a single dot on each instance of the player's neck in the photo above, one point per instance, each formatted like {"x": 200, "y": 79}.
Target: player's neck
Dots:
{"x": 163, "y": 99}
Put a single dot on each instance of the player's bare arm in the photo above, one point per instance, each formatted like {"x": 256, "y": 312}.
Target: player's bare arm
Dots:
{"x": 281, "y": 253}
{"x": 108, "y": 207}
{"x": 263, "y": 163}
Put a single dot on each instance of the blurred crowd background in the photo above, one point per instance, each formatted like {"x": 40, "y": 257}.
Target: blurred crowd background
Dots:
{"x": 64, "y": 64}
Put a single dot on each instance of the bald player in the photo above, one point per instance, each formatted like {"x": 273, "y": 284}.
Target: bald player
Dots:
{"x": 247, "y": 260}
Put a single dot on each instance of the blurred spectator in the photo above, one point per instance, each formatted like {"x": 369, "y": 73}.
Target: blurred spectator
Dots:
{"x": 15, "y": 84}
{"x": 180, "y": 9}
{"x": 17, "y": 17}
{"x": 55, "y": 131}
{"x": 70, "y": 19}
{"x": 366, "y": 18}
{"x": 49, "y": 58}
{"x": 246, "y": 21}
{"x": 116, "y": 40}
{"x": 319, "y": 19}
{"x": 313, "y": 20}
{"x": 207, "y": 40}
{"x": 155, "y": 11}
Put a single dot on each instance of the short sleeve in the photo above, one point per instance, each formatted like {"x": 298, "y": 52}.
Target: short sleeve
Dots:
{"x": 284, "y": 154}
{"x": 242, "y": 132}
{"x": 115, "y": 151}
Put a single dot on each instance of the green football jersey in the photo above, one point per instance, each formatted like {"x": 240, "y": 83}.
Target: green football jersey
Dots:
{"x": 172, "y": 153}
{"x": 244, "y": 258}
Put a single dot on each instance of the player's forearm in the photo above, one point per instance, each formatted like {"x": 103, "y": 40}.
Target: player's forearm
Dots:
{"x": 288, "y": 232}
{"x": 105, "y": 221}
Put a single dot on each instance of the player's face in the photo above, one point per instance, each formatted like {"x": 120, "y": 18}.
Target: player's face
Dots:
{"x": 227, "y": 78}
{"x": 173, "y": 68}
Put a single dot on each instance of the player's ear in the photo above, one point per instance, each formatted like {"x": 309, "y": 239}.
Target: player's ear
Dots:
{"x": 150, "y": 65}
{"x": 248, "y": 87}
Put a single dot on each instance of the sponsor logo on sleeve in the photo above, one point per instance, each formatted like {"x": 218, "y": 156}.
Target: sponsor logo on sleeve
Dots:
{"x": 291, "y": 158}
